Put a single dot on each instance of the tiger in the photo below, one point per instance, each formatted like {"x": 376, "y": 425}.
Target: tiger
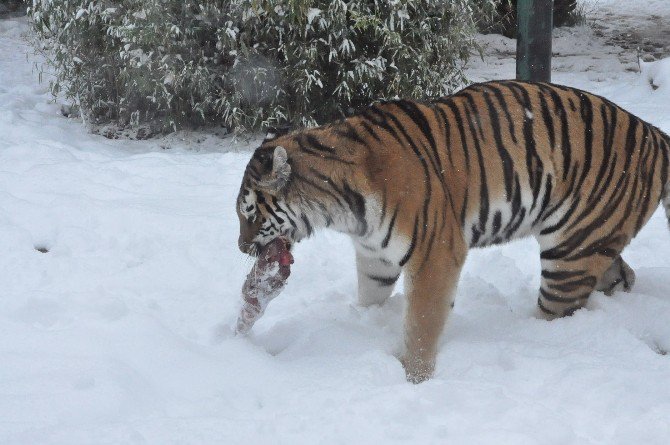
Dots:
{"x": 417, "y": 184}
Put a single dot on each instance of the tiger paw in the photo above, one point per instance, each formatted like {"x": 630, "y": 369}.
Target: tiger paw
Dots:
{"x": 618, "y": 277}
{"x": 417, "y": 370}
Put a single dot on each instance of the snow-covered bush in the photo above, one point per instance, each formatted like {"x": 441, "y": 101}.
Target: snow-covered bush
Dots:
{"x": 132, "y": 61}
{"x": 250, "y": 63}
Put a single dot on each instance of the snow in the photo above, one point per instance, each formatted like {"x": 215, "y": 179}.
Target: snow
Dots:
{"x": 642, "y": 9}
{"x": 122, "y": 331}
{"x": 312, "y": 13}
{"x": 657, "y": 75}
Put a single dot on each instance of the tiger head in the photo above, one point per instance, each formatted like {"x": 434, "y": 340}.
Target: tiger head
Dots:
{"x": 267, "y": 205}
{"x": 297, "y": 183}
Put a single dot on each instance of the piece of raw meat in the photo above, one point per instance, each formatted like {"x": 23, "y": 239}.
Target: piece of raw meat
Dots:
{"x": 265, "y": 281}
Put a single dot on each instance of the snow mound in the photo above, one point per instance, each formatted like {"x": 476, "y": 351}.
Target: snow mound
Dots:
{"x": 657, "y": 74}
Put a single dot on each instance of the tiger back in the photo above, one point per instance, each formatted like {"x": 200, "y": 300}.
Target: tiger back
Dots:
{"x": 417, "y": 184}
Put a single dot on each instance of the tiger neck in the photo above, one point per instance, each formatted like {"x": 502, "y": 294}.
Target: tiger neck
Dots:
{"x": 329, "y": 184}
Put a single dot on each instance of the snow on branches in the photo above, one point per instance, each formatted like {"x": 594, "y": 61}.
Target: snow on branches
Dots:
{"x": 250, "y": 63}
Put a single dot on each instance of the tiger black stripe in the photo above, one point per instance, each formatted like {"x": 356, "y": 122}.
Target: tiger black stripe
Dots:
{"x": 505, "y": 158}
{"x": 545, "y": 309}
{"x": 316, "y": 186}
{"x": 389, "y": 231}
{"x": 566, "y": 146}
{"x": 477, "y": 119}
{"x": 545, "y": 201}
{"x": 464, "y": 209}
{"x": 314, "y": 143}
{"x": 571, "y": 286}
{"x": 447, "y": 133}
{"x": 568, "y": 195}
{"x": 416, "y": 115}
{"x": 368, "y": 128}
{"x": 586, "y": 112}
{"x": 349, "y": 133}
{"x": 382, "y": 217}
{"x": 557, "y": 298}
{"x": 316, "y": 148}
{"x": 630, "y": 140}
{"x": 378, "y": 118}
{"x": 431, "y": 240}
{"x": 319, "y": 153}
{"x": 646, "y": 201}
{"x": 353, "y": 200}
{"x": 278, "y": 209}
{"x": 356, "y": 203}
{"x": 384, "y": 281}
{"x": 548, "y": 121}
{"x": 461, "y": 131}
{"x": 561, "y": 274}
{"x": 664, "y": 148}
{"x": 383, "y": 121}
{"x": 336, "y": 192}
{"x": 608, "y": 137}
{"x": 533, "y": 161}
{"x": 514, "y": 227}
{"x": 517, "y": 211}
{"x": 483, "y": 188}
{"x": 497, "y": 220}
{"x": 412, "y": 244}
{"x": 308, "y": 225}
{"x": 502, "y": 104}
{"x": 638, "y": 193}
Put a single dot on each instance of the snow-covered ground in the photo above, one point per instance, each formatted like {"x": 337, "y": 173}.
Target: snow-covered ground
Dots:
{"x": 120, "y": 280}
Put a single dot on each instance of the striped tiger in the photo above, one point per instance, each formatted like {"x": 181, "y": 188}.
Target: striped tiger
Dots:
{"x": 416, "y": 185}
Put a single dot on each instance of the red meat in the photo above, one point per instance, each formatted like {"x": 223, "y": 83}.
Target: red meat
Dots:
{"x": 265, "y": 281}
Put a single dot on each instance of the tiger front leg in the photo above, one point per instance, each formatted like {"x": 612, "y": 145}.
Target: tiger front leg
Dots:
{"x": 430, "y": 287}
{"x": 376, "y": 279}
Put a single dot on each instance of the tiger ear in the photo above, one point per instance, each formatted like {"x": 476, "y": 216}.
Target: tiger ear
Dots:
{"x": 279, "y": 176}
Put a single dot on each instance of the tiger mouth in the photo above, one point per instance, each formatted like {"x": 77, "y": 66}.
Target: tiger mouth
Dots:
{"x": 258, "y": 247}
{"x": 277, "y": 250}
{"x": 287, "y": 243}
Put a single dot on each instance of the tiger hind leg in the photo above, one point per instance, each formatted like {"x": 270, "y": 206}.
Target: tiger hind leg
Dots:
{"x": 618, "y": 277}
{"x": 573, "y": 267}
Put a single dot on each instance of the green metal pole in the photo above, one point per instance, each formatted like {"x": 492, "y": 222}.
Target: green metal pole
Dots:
{"x": 533, "y": 42}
